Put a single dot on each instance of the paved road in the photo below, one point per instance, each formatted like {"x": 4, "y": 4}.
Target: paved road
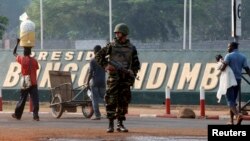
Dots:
{"x": 146, "y": 126}
{"x": 72, "y": 120}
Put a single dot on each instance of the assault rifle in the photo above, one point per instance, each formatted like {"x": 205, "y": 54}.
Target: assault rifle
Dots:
{"x": 118, "y": 66}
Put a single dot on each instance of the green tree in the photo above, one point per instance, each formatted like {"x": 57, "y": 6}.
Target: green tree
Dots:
{"x": 211, "y": 20}
{"x": 148, "y": 20}
{"x": 89, "y": 19}
{"x": 12, "y": 9}
{"x": 71, "y": 19}
{"x": 3, "y": 25}
{"x": 245, "y": 19}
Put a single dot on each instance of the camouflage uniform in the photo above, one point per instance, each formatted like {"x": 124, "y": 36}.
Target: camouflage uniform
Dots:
{"x": 118, "y": 94}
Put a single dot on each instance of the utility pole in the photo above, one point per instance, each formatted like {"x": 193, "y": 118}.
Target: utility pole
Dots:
{"x": 190, "y": 25}
{"x": 110, "y": 20}
{"x": 184, "y": 24}
{"x": 236, "y": 19}
{"x": 41, "y": 22}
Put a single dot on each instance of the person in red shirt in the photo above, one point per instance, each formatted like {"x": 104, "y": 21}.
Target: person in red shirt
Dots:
{"x": 29, "y": 66}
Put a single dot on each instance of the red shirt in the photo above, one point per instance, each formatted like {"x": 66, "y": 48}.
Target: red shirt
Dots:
{"x": 26, "y": 68}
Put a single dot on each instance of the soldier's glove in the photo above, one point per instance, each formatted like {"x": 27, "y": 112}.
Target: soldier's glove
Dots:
{"x": 109, "y": 68}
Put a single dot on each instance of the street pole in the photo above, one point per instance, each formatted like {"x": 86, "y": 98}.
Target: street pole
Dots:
{"x": 190, "y": 24}
{"x": 236, "y": 19}
{"x": 110, "y": 20}
{"x": 41, "y": 22}
{"x": 184, "y": 24}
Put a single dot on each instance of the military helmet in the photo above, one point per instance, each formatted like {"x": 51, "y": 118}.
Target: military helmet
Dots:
{"x": 122, "y": 27}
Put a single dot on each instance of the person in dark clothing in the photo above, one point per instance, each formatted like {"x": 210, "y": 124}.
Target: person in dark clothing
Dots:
{"x": 120, "y": 60}
{"x": 97, "y": 84}
{"x": 29, "y": 66}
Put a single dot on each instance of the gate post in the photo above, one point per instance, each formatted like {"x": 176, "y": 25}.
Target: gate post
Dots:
{"x": 167, "y": 100}
{"x": 1, "y": 100}
{"x": 202, "y": 102}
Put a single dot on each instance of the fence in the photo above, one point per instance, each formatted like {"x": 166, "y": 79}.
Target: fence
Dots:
{"x": 89, "y": 44}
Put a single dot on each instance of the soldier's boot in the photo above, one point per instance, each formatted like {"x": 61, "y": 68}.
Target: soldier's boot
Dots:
{"x": 111, "y": 126}
{"x": 231, "y": 121}
{"x": 121, "y": 127}
{"x": 237, "y": 114}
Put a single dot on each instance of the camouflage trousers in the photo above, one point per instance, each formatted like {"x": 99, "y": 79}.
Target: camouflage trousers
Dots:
{"x": 117, "y": 98}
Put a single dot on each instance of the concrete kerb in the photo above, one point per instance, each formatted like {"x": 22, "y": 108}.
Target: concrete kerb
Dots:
{"x": 153, "y": 111}
{"x": 209, "y": 117}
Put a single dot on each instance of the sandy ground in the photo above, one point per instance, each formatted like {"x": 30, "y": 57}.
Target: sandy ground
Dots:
{"x": 29, "y": 134}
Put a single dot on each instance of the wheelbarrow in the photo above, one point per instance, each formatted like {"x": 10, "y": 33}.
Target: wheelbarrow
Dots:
{"x": 66, "y": 98}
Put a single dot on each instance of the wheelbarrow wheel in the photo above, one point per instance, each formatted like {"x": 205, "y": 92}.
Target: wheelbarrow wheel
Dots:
{"x": 57, "y": 108}
{"x": 87, "y": 110}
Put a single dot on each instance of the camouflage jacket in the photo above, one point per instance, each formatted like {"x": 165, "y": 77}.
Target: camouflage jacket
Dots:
{"x": 134, "y": 63}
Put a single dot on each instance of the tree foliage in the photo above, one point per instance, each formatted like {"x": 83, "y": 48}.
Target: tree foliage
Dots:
{"x": 148, "y": 20}
{"x": 3, "y": 24}
{"x": 12, "y": 9}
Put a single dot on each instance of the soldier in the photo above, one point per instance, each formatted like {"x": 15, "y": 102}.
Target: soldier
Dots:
{"x": 120, "y": 60}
